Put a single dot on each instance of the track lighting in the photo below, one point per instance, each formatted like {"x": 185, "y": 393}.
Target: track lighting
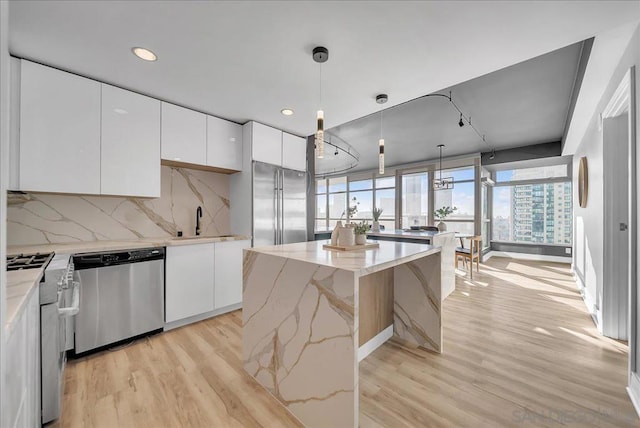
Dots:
{"x": 493, "y": 154}
{"x": 336, "y": 153}
{"x": 461, "y": 123}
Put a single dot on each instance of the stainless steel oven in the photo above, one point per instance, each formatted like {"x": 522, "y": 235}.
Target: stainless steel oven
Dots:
{"x": 59, "y": 303}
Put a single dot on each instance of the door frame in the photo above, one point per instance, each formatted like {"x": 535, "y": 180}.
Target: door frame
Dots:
{"x": 624, "y": 100}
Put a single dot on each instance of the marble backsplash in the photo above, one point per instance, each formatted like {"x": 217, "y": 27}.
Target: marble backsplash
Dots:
{"x": 53, "y": 218}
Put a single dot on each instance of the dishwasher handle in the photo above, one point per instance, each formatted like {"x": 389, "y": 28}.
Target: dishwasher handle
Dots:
{"x": 75, "y": 302}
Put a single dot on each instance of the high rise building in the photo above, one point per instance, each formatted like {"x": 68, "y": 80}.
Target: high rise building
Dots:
{"x": 540, "y": 213}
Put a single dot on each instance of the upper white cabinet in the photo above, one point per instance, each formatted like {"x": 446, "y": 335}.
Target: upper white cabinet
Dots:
{"x": 130, "y": 143}
{"x": 229, "y": 272}
{"x": 224, "y": 144}
{"x": 272, "y": 146}
{"x": 189, "y": 281}
{"x": 184, "y": 134}
{"x": 294, "y": 152}
{"x": 266, "y": 144}
{"x": 59, "y": 137}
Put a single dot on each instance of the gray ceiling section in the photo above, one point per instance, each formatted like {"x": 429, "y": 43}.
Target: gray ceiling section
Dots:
{"x": 520, "y": 105}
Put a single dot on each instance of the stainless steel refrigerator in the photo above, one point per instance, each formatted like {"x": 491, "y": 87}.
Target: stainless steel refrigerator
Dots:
{"x": 279, "y": 205}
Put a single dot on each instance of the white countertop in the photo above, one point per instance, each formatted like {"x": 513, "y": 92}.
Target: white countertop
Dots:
{"x": 94, "y": 246}
{"x": 361, "y": 262}
{"x": 411, "y": 234}
{"x": 21, "y": 283}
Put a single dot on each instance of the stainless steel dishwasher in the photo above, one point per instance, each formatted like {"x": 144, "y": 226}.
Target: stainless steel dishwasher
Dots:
{"x": 121, "y": 296}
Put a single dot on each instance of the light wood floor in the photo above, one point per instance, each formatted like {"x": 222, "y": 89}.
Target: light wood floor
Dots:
{"x": 519, "y": 350}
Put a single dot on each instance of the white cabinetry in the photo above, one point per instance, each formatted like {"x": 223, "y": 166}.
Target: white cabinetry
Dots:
{"x": 189, "y": 280}
{"x": 21, "y": 402}
{"x": 266, "y": 144}
{"x": 272, "y": 146}
{"x": 294, "y": 152}
{"x": 229, "y": 272}
{"x": 130, "y": 161}
{"x": 59, "y": 131}
{"x": 184, "y": 134}
{"x": 224, "y": 144}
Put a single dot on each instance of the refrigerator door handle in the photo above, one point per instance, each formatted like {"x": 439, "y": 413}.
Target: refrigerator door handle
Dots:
{"x": 276, "y": 208}
{"x": 282, "y": 206}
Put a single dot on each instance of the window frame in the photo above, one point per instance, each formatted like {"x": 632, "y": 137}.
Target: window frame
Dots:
{"x": 568, "y": 178}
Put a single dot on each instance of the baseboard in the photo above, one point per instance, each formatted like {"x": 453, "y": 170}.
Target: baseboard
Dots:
{"x": 589, "y": 301}
{"x": 635, "y": 400}
{"x": 631, "y": 390}
{"x": 196, "y": 318}
{"x": 525, "y": 256}
{"x": 375, "y": 342}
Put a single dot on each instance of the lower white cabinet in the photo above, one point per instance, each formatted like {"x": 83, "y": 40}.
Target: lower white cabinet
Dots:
{"x": 202, "y": 278}
{"x": 21, "y": 401}
{"x": 229, "y": 272}
{"x": 189, "y": 280}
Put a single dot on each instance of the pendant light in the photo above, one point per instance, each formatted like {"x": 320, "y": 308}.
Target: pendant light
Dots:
{"x": 381, "y": 99}
{"x": 320, "y": 55}
{"x": 442, "y": 183}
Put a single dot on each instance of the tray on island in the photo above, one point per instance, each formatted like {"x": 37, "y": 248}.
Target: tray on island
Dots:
{"x": 367, "y": 246}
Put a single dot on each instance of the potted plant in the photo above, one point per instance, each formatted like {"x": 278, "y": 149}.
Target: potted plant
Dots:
{"x": 361, "y": 230}
{"x": 441, "y": 214}
{"x": 351, "y": 210}
{"x": 377, "y": 212}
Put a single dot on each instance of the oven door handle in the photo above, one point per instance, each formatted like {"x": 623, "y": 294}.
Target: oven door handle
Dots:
{"x": 75, "y": 303}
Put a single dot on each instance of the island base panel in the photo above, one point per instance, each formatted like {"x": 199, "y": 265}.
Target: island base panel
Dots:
{"x": 376, "y": 304}
{"x": 417, "y": 303}
{"x": 298, "y": 337}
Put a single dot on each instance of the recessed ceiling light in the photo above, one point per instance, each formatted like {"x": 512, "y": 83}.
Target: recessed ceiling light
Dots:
{"x": 287, "y": 111}
{"x": 144, "y": 54}
{"x": 120, "y": 111}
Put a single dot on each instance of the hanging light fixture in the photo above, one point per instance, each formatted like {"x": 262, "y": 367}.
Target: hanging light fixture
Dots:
{"x": 381, "y": 99}
{"x": 320, "y": 55}
{"x": 442, "y": 183}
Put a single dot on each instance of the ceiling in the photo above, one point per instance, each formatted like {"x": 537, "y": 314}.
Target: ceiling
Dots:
{"x": 523, "y": 104}
{"x": 247, "y": 60}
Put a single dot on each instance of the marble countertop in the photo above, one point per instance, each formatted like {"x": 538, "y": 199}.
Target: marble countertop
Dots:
{"x": 389, "y": 254}
{"x": 21, "y": 283}
{"x": 93, "y": 246}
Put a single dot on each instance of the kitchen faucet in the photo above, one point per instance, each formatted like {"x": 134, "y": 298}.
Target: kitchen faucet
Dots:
{"x": 198, "y": 217}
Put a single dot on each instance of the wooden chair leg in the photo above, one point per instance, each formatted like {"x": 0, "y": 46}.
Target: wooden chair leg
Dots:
{"x": 471, "y": 267}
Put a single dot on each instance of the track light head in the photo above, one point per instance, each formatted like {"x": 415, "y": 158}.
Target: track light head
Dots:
{"x": 493, "y": 154}
{"x": 336, "y": 152}
{"x": 460, "y": 123}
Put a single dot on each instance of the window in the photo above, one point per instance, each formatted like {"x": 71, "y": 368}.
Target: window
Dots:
{"x": 415, "y": 199}
{"x": 533, "y": 205}
{"x": 462, "y": 196}
{"x": 369, "y": 192}
{"x": 386, "y": 200}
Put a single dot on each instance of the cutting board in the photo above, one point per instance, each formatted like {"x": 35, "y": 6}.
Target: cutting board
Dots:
{"x": 367, "y": 246}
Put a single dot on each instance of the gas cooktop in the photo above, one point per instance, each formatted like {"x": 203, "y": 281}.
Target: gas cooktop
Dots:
{"x": 28, "y": 261}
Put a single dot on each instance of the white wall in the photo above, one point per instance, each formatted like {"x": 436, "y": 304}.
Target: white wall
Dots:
{"x": 4, "y": 177}
{"x": 588, "y": 257}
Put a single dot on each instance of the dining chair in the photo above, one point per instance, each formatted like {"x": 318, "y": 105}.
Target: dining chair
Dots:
{"x": 472, "y": 253}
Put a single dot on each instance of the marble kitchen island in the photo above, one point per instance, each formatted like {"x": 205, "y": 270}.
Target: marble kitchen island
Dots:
{"x": 310, "y": 315}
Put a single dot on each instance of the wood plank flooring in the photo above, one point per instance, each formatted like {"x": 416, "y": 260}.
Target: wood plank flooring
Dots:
{"x": 519, "y": 350}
